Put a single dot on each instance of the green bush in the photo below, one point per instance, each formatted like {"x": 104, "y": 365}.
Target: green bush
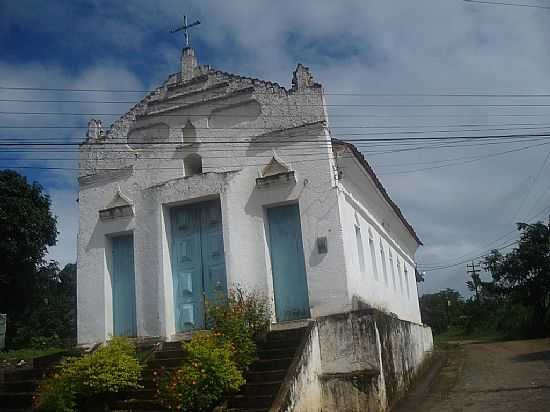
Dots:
{"x": 111, "y": 369}
{"x": 241, "y": 318}
{"x": 207, "y": 374}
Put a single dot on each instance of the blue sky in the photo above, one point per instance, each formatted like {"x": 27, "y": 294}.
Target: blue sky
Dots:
{"x": 354, "y": 46}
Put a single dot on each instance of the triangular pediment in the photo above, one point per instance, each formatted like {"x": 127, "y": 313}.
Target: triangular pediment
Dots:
{"x": 275, "y": 167}
{"x": 119, "y": 200}
{"x": 120, "y": 206}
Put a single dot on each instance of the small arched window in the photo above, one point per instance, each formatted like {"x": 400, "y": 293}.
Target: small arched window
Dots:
{"x": 189, "y": 133}
{"x": 192, "y": 164}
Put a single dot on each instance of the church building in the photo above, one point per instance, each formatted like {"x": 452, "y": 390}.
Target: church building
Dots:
{"x": 214, "y": 180}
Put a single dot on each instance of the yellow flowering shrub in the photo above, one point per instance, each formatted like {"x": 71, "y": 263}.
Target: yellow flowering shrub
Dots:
{"x": 206, "y": 375}
{"x": 241, "y": 318}
{"x": 111, "y": 369}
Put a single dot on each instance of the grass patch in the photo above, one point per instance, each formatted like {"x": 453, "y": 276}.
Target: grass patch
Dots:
{"x": 27, "y": 354}
{"x": 451, "y": 338}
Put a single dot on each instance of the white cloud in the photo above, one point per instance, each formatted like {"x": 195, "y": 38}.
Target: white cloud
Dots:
{"x": 65, "y": 207}
{"x": 359, "y": 46}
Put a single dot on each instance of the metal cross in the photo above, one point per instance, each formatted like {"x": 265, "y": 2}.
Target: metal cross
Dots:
{"x": 185, "y": 27}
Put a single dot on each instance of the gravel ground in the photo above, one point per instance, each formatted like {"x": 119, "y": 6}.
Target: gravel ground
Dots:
{"x": 488, "y": 377}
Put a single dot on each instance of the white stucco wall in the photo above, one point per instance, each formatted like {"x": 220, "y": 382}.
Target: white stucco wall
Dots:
{"x": 362, "y": 206}
{"x": 358, "y": 361}
{"x": 155, "y": 184}
{"x": 239, "y": 125}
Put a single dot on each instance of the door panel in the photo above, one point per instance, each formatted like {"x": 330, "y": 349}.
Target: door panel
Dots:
{"x": 186, "y": 268}
{"x": 123, "y": 286}
{"x": 215, "y": 283}
{"x": 287, "y": 263}
{"x": 198, "y": 261}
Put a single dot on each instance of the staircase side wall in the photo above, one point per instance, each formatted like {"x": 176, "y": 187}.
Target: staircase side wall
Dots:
{"x": 356, "y": 361}
{"x": 302, "y": 388}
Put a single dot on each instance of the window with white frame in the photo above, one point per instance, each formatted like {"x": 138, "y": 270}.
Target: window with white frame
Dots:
{"x": 373, "y": 255}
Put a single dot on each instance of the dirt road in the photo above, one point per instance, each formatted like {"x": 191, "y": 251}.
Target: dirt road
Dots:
{"x": 488, "y": 377}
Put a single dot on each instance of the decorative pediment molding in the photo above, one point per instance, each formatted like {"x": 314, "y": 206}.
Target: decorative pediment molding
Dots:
{"x": 120, "y": 206}
{"x": 276, "y": 171}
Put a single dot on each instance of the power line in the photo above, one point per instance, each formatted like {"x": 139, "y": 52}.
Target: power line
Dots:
{"x": 408, "y": 126}
{"x": 328, "y": 92}
{"x": 319, "y": 156}
{"x": 440, "y": 267}
{"x": 288, "y": 139}
{"x": 499, "y": 3}
{"x": 297, "y": 105}
{"x": 516, "y": 215}
{"x": 467, "y": 161}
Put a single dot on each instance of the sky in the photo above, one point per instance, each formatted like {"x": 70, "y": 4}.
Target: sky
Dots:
{"x": 390, "y": 68}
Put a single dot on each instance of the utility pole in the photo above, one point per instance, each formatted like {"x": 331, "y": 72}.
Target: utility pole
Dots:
{"x": 474, "y": 271}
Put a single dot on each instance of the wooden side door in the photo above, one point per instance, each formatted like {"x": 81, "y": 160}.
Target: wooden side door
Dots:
{"x": 287, "y": 263}
{"x": 123, "y": 286}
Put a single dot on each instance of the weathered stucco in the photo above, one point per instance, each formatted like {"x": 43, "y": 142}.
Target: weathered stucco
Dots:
{"x": 234, "y": 126}
{"x": 357, "y": 361}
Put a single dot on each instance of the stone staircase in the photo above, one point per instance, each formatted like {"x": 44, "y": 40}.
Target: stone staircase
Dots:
{"x": 266, "y": 375}
{"x": 263, "y": 380}
{"x": 17, "y": 389}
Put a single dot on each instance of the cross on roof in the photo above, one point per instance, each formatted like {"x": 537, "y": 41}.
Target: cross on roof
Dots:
{"x": 185, "y": 27}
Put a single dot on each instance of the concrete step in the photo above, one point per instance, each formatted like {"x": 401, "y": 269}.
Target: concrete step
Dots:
{"x": 279, "y": 344}
{"x": 277, "y": 352}
{"x": 166, "y": 363}
{"x": 271, "y": 364}
{"x": 168, "y": 354}
{"x": 19, "y": 386}
{"x": 167, "y": 346}
{"x": 251, "y": 402}
{"x": 26, "y": 374}
{"x": 265, "y": 376}
{"x": 135, "y": 405}
{"x": 28, "y": 409}
{"x": 261, "y": 388}
{"x": 285, "y": 335}
{"x": 16, "y": 400}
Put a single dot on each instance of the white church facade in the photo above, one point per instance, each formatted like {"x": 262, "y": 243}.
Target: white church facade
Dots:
{"x": 215, "y": 180}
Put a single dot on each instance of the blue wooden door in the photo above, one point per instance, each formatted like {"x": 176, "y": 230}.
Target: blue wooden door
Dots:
{"x": 287, "y": 263}
{"x": 198, "y": 261}
{"x": 213, "y": 257}
{"x": 123, "y": 286}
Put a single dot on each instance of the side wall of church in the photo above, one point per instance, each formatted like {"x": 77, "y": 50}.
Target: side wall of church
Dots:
{"x": 379, "y": 251}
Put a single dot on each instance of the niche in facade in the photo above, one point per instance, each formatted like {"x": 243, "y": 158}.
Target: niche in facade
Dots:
{"x": 192, "y": 164}
{"x": 232, "y": 115}
{"x": 189, "y": 133}
{"x": 150, "y": 134}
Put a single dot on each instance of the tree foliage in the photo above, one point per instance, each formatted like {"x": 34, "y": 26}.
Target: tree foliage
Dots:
{"x": 523, "y": 274}
{"x": 28, "y": 228}
{"x": 50, "y": 318}
{"x": 515, "y": 302}
{"x": 442, "y": 309}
